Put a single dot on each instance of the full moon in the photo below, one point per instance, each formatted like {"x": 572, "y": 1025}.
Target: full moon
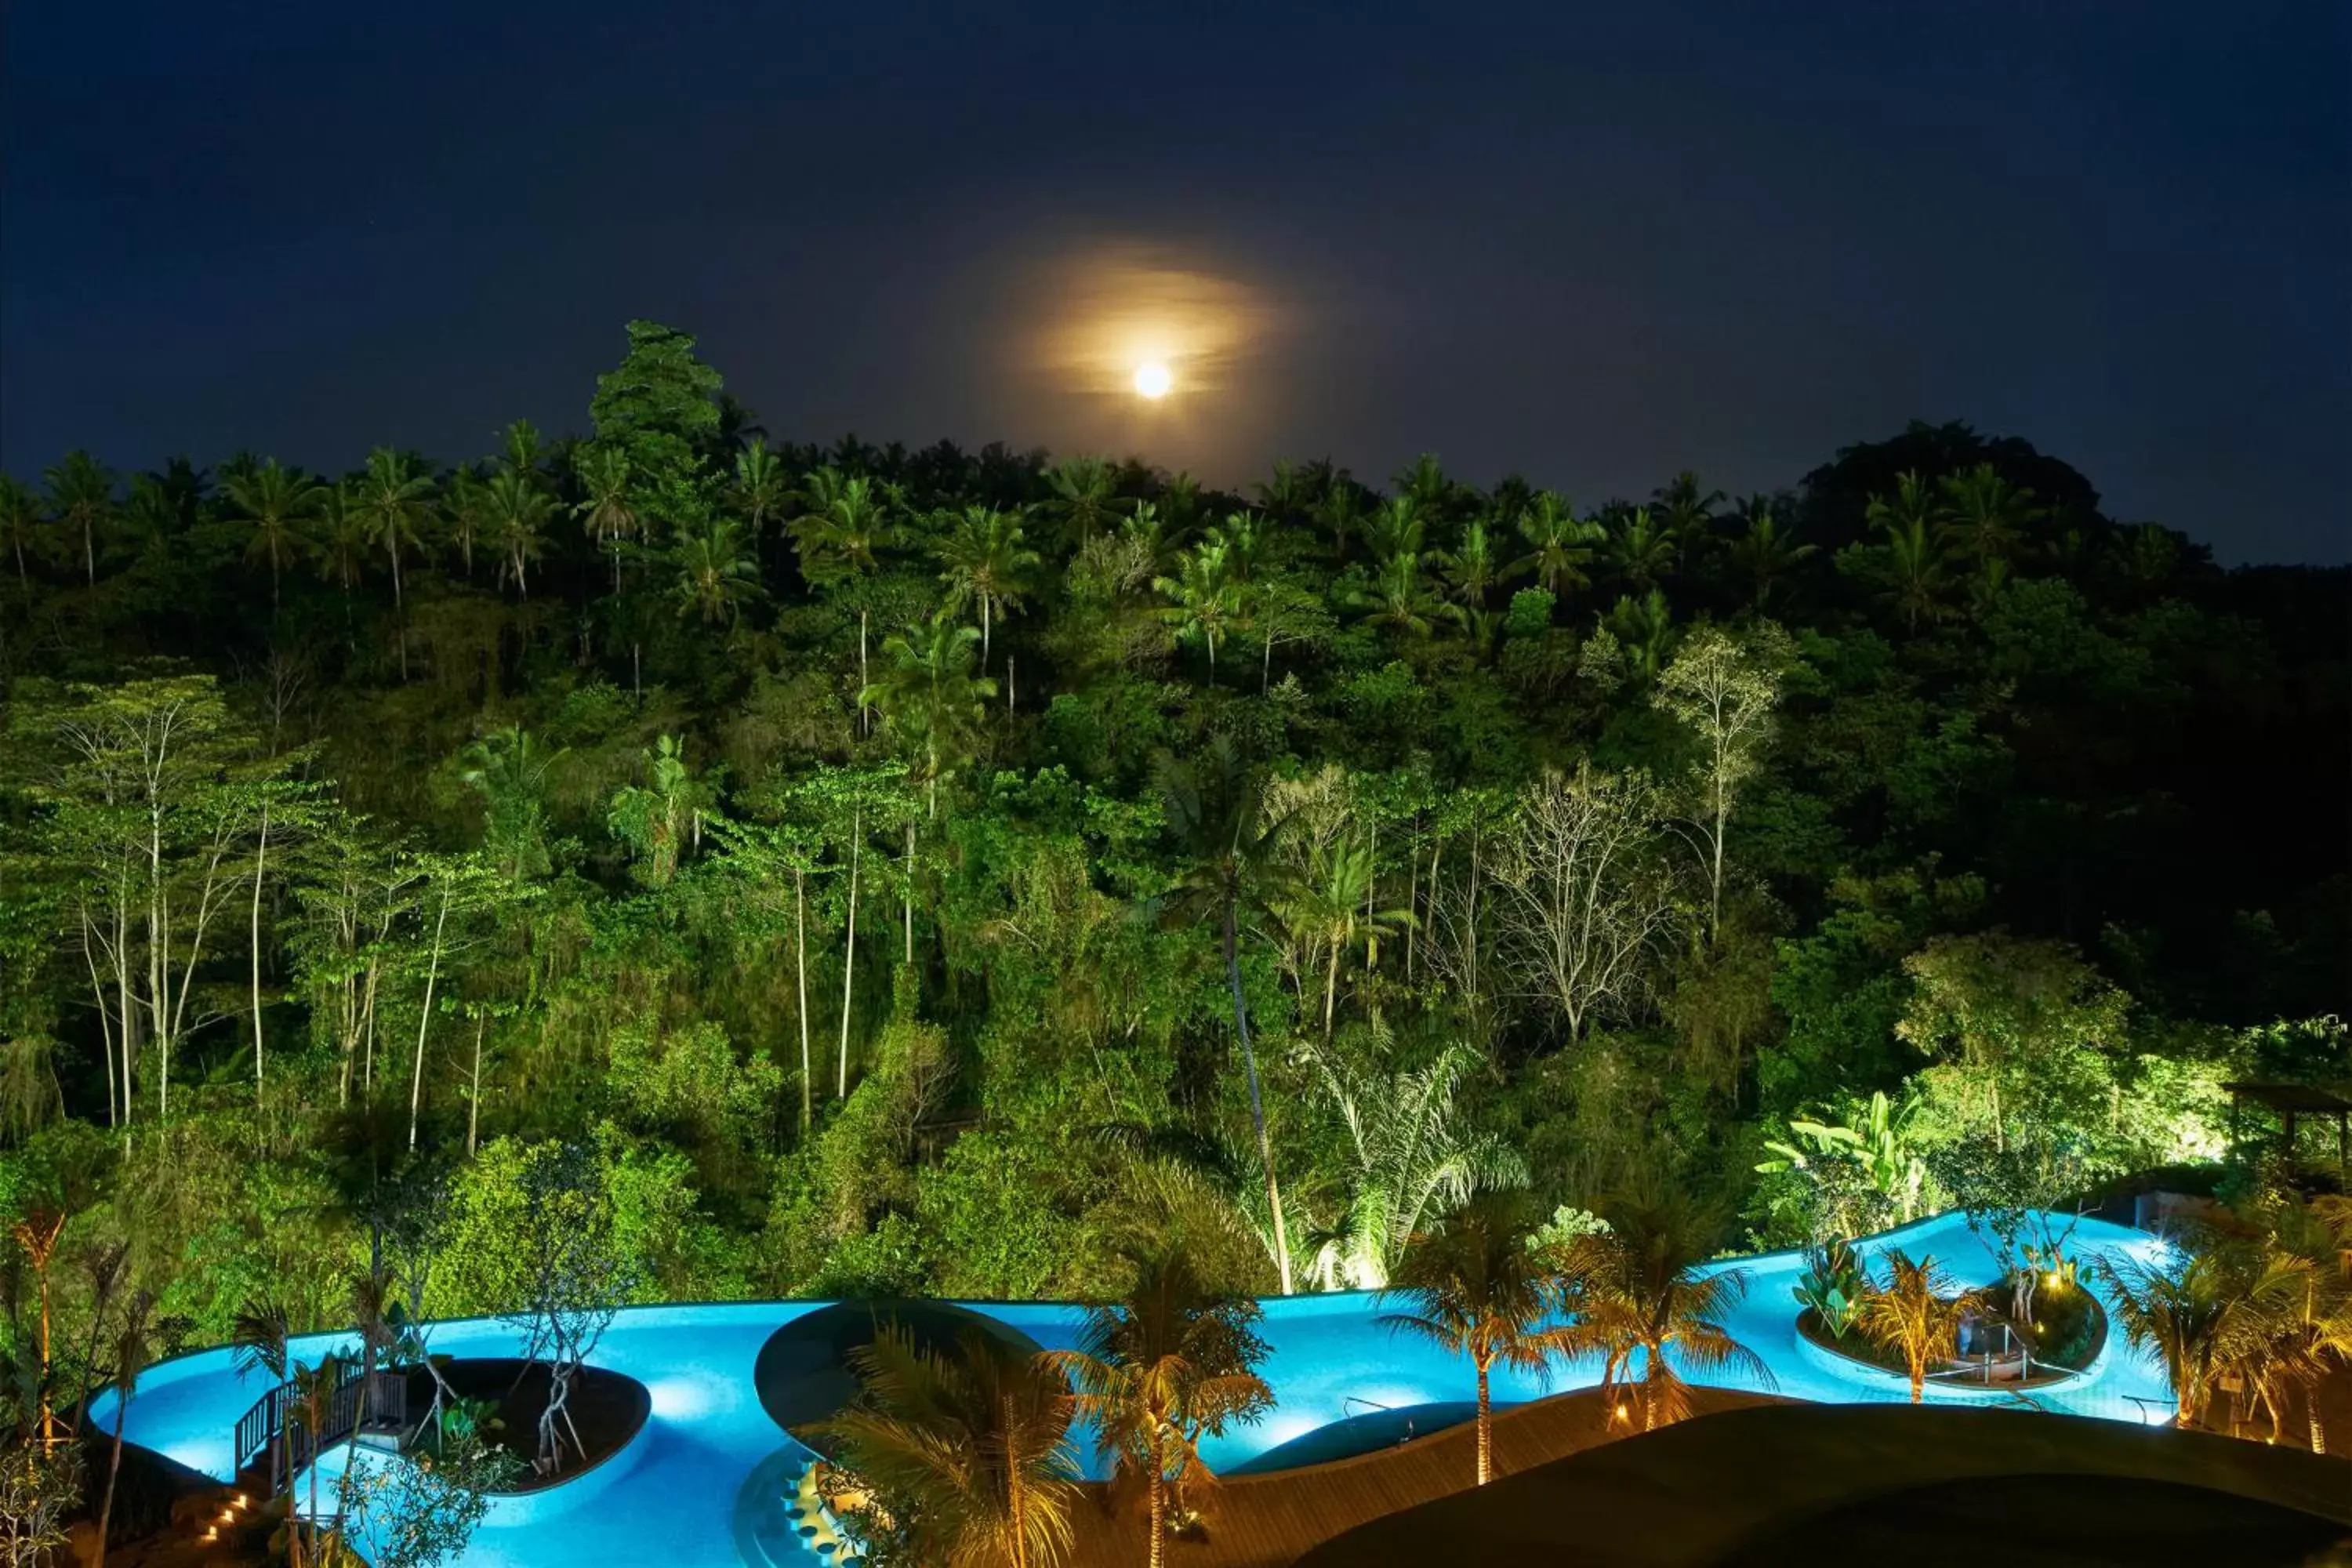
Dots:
{"x": 1152, "y": 380}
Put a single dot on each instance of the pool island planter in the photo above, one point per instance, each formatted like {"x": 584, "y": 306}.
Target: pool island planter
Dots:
{"x": 617, "y": 1406}
{"x": 1816, "y": 1349}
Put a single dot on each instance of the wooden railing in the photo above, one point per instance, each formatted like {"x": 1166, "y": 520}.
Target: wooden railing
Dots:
{"x": 277, "y": 1427}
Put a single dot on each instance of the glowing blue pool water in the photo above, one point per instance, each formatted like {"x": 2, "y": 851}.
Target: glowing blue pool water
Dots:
{"x": 673, "y": 1491}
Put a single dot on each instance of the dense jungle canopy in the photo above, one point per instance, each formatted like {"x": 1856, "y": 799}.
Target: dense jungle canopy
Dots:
{"x": 907, "y": 871}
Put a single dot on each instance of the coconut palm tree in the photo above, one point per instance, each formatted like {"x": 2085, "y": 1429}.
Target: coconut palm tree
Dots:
{"x": 20, "y": 521}
{"x": 1169, "y": 1363}
{"x": 1644, "y": 630}
{"x": 1765, "y": 554}
{"x": 1331, "y": 905}
{"x": 1206, "y": 599}
{"x": 842, "y": 528}
{"x": 716, "y": 574}
{"x": 985, "y": 556}
{"x": 1984, "y": 515}
{"x": 279, "y": 503}
{"x": 515, "y": 511}
{"x": 1687, "y": 511}
{"x": 1560, "y": 545}
{"x": 1083, "y": 496}
{"x": 1642, "y": 548}
{"x": 2214, "y": 1311}
{"x": 607, "y": 507}
{"x": 759, "y": 489}
{"x": 1412, "y": 1160}
{"x": 1472, "y": 569}
{"x": 1916, "y": 1312}
{"x": 1398, "y": 597}
{"x": 1915, "y": 574}
{"x": 133, "y": 1344}
{"x": 929, "y": 694}
{"x": 81, "y": 500}
{"x": 393, "y": 499}
{"x": 1636, "y": 1292}
{"x": 1228, "y": 868}
{"x": 967, "y": 1453}
{"x": 1473, "y": 1285}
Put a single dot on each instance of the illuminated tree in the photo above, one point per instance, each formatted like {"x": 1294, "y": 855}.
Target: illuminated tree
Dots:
{"x": 1474, "y": 1285}
{"x": 1168, "y": 1364}
{"x": 1916, "y": 1313}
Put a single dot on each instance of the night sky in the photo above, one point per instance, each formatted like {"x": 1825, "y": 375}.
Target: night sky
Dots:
{"x": 1591, "y": 244}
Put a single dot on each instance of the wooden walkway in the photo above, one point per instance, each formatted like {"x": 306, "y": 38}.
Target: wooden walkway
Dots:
{"x": 1268, "y": 1521}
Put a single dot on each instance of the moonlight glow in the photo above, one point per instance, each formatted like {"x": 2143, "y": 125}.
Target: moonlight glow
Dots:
{"x": 1152, "y": 380}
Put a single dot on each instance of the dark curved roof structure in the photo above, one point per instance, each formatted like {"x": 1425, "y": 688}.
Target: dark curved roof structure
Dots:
{"x": 1927, "y": 1487}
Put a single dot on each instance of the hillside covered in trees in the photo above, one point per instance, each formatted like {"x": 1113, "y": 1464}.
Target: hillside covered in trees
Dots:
{"x": 908, "y": 870}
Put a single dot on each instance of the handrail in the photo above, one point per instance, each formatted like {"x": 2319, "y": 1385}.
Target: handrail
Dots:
{"x": 1360, "y": 1399}
{"x": 278, "y": 1423}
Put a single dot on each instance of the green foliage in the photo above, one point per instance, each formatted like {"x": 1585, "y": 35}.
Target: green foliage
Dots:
{"x": 370, "y": 832}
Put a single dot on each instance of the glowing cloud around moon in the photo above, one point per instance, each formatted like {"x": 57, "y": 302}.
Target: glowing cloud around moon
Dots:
{"x": 1131, "y": 323}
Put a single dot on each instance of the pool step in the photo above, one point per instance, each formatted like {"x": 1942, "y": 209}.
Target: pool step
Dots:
{"x": 780, "y": 1519}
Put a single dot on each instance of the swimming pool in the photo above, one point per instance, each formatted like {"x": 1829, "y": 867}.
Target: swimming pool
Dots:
{"x": 1329, "y": 1361}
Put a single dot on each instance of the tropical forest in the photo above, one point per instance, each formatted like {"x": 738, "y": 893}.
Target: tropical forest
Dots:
{"x": 841, "y": 871}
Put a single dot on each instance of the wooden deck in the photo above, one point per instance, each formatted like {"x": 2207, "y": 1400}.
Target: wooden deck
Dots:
{"x": 1267, "y": 1521}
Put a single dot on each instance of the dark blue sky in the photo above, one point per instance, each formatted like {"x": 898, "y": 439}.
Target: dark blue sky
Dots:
{"x": 1594, "y": 244}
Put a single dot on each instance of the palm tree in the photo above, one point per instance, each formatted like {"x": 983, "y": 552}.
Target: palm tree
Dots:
{"x": 929, "y": 694}
{"x": 1560, "y": 544}
{"x": 1642, "y": 548}
{"x": 20, "y": 519}
{"x": 1331, "y": 905}
{"x": 716, "y": 574}
{"x": 1916, "y": 1312}
{"x": 2217, "y": 1311}
{"x": 1219, "y": 815}
{"x": 1687, "y": 511}
{"x": 516, "y": 511}
{"x": 132, "y": 1346}
{"x": 759, "y": 489}
{"x": 1340, "y": 512}
{"x": 392, "y": 499}
{"x": 1476, "y": 1285}
{"x": 1915, "y": 575}
{"x": 843, "y": 527}
{"x": 968, "y": 1454}
{"x": 1168, "y": 1364}
{"x": 1635, "y": 1291}
{"x": 81, "y": 499}
{"x": 606, "y": 508}
{"x": 1396, "y": 527}
{"x": 985, "y": 557}
{"x": 462, "y": 505}
{"x": 1206, "y": 596}
{"x": 1400, "y": 598}
{"x": 1984, "y": 514}
{"x": 278, "y": 501}
{"x": 1412, "y": 1162}
{"x": 1765, "y": 554}
{"x": 1084, "y": 496}
{"x": 1472, "y": 569}
{"x": 1644, "y": 630}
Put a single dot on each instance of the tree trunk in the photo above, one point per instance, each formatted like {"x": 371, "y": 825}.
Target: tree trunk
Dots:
{"x": 114, "y": 1471}
{"x": 424, "y": 1017}
{"x": 862, "y": 680}
{"x": 260, "y": 859}
{"x": 474, "y": 1092}
{"x": 1486, "y": 1429}
{"x": 909, "y": 896}
{"x": 800, "y": 982}
{"x": 1258, "y": 1104}
{"x": 1331, "y": 990}
{"x": 849, "y": 953}
{"x": 1158, "y": 1549}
